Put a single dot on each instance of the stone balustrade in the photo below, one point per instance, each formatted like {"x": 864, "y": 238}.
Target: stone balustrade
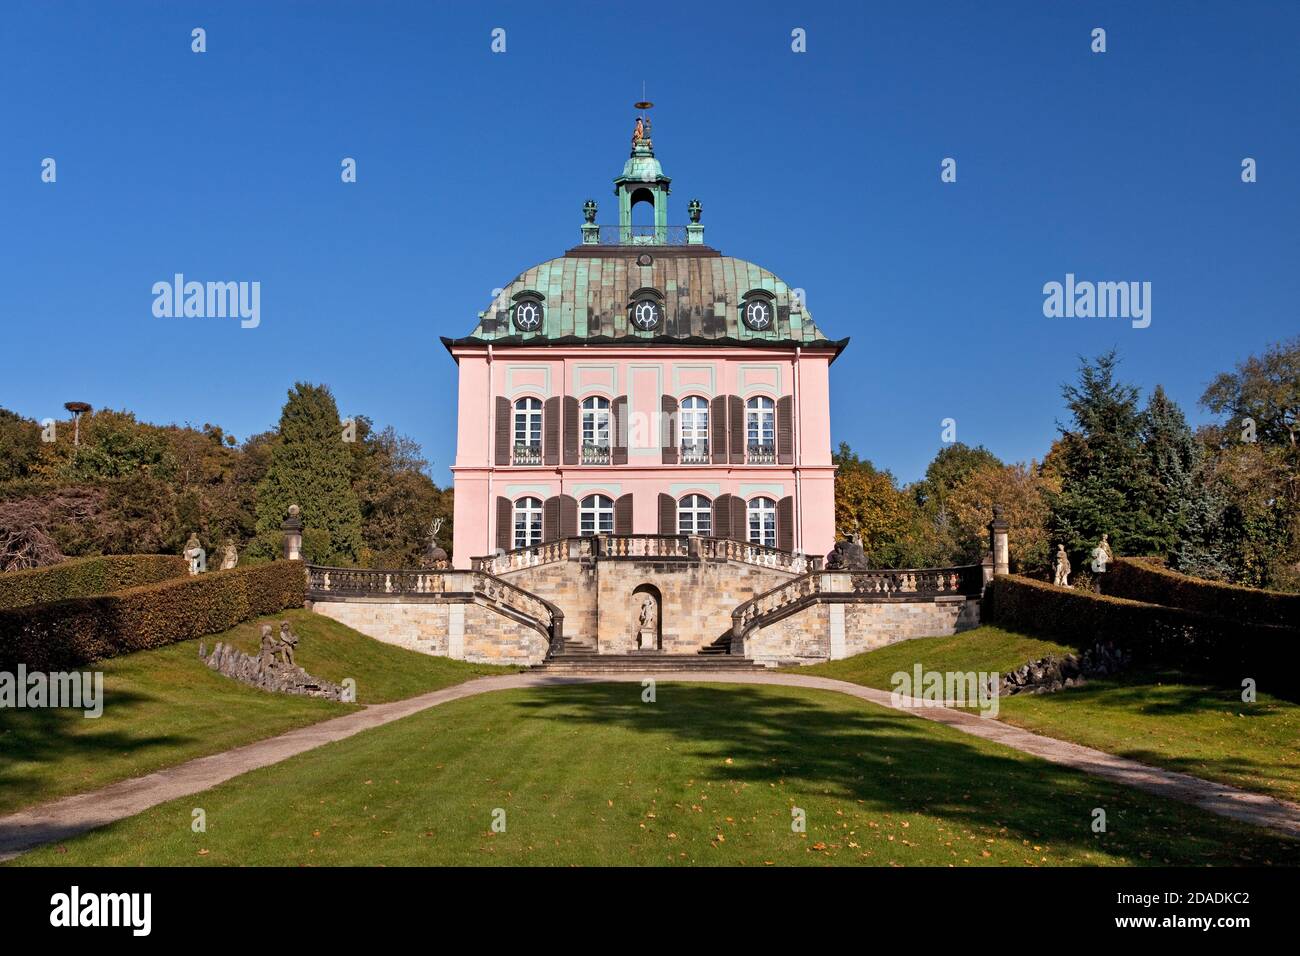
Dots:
{"x": 533, "y": 556}
{"x": 646, "y": 547}
{"x": 727, "y": 549}
{"x": 913, "y": 584}
{"x": 340, "y": 584}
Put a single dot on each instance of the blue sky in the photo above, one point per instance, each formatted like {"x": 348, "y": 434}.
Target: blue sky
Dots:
{"x": 822, "y": 166}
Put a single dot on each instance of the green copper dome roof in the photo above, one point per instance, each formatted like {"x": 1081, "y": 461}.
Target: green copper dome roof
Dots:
{"x": 586, "y": 297}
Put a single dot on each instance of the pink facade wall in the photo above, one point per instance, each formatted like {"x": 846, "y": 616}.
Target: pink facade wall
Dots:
{"x": 643, "y": 375}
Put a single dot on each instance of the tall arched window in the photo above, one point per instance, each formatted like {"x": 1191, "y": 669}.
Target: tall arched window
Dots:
{"x": 760, "y": 430}
{"x": 595, "y": 431}
{"x": 596, "y": 515}
{"x": 528, "y": 522}
{"x": 528, "y": 431}
{"x": 693, "y": 425}
{"x": 695, "y": 515}
{"x": 762, "y": 522}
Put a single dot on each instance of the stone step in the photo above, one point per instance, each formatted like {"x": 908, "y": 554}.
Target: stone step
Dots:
{"x": 632, "y": 663}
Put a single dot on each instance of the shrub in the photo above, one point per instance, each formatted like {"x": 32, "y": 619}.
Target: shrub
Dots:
{"x": 64, "y": 634}
{"x": 1154, "y": 635}
{"x": 83, "y": 577}
{"x": 1144, "y": 580}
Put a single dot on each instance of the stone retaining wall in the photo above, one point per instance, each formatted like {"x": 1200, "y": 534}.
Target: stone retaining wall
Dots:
{"x": 463, "y": 630}
{"x": 830, "y": 630}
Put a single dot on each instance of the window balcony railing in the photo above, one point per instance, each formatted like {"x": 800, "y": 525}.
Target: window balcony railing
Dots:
{"x": 595, "y": 454}
{"x": 758, "y": 454}
{"x": 527, "y": 454}
{"x": 695, "y": 453}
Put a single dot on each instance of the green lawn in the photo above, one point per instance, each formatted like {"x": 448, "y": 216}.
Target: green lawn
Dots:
{"x": 164, "y": 706}
{"x": 709, "y": 774}
{"x": 1164, "y": 720}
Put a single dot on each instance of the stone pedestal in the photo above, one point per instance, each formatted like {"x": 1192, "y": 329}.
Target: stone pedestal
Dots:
{"x": 646, "y": 639}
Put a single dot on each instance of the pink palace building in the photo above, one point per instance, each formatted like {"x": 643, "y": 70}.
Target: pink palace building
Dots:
{"x": 643, "y": 383}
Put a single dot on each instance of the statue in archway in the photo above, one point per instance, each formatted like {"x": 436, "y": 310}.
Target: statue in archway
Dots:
{"x": 647, "y": 635}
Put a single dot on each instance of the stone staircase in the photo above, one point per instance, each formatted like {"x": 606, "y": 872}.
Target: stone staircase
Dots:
{"x": 578, "y": 657}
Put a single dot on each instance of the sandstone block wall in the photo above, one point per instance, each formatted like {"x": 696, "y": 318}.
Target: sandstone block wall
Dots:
{"x": 570, "y": 586}
{"x": 465, "y": 631}
{"x": 697, "y": 599}
{"x": 833, "y": 630}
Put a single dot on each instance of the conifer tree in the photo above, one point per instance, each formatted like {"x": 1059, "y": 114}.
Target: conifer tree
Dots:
{"x": 1184, "y": 508}
{"x": 1105, "y": 477}
{"x": 311, "y": 466}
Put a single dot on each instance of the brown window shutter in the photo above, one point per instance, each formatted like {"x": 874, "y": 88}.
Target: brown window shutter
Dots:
{"x": 667, "y": 514}
{"x": 623, "y": 514}
{"x": 551, "y": 431}
{"x": 572, "y": 430}
{"x": 722, "y": 516}
{"x": 718, "y": 432}
{"x": 505, "y": 524}
{"x": 736, "y": 423}
{"x": 551, "y": 519}
{"x": 785, "y": 431}
{"x": 504, "y": 426}
{"x": 785, "y": 524}
{"x": 739, "y": 519}
{"x": 618, "y": 429}
{"x": 668, "y": 429}
{"x": 568, "y": 516}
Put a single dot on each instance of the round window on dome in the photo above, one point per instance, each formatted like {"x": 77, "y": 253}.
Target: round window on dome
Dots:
{"x": 528, "y": 315}
{"x": 757, "y": 314}
{"x": 646, "y": 315}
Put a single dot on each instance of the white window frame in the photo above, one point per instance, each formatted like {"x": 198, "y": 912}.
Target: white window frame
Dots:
{"x": 760, "y": 422}
{"x": 693, "y": 427}
{"x": 595, "y": 422}
{"x": 596, "y": 515}
{"x": 527, "y": 423}
{"x": 526, "y": 529}
{"x": 760, "y": 521}
{"x": 695, "y": 515}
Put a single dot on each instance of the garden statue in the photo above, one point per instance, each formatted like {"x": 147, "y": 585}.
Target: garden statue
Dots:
{"x": 229, "y": 556}
{"x": 1062, "y": 576}
{"x": 195, "y": 554}
{"x": 266, "y": 655}
{"x": 273, "y": 669}
{"x": 1102, "y": 555}
{"x": 646, "y": 636}
{"x": 435, "y": 557}
{"x": 288, "y": 641}
{"x": 847, "y": 555}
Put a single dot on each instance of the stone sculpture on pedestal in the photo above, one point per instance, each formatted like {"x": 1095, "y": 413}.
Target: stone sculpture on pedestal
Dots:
{"x": 1061, "y": 578}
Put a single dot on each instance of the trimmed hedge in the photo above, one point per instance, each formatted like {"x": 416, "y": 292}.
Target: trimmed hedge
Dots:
{"x": 65, "y": 634}
{"x": 1155, "y": 636}
{"x": 1141, "y": 580}
{"x": 83, "y": 577}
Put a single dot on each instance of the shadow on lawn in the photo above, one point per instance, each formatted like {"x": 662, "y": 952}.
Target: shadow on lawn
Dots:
{"x": 1165, "y": 695}
{"x": 895, "y": 763}
{"x": 45, "y": 735}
